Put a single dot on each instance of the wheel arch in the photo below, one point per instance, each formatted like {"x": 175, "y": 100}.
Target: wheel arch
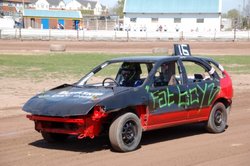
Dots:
{"x": 139, "y": 110}
{"x": 226, "y": 102}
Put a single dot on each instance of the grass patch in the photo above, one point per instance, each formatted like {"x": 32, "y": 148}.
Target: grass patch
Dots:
{"x": 54, "y": 65}
{"x": 234, "y": 64}
{"x": 47, "y": 66}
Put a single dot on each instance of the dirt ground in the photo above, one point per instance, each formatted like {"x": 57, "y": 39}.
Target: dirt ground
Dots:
{"x": 21, "y": 145}
{"x": 207, "y": 48}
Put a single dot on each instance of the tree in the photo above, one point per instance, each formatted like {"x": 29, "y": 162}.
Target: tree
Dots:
{"x": 246, "y": 19}
{"x": 118, "y": 9}
{"x": 233, "y": 14}
{"x": 246, "y": 9}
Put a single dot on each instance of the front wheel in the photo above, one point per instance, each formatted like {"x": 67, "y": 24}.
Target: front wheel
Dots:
{"x": 125, "y": 133}
{"x": 218, "y": 119}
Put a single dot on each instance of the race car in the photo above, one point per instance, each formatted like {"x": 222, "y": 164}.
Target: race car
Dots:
{"x": 124, "y": 97}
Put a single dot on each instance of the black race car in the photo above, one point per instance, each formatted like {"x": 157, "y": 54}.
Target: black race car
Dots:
{"x": 138, "y": 94}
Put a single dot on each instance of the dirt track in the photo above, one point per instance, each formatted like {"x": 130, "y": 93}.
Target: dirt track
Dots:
{"x": 185, "y": 145}
{"x": 207, "y": 48}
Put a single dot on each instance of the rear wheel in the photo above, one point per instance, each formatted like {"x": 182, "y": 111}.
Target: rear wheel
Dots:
{"x": 54, "y": 137}
{"x": 218, "y": 119}
{"x": 125, "y": 133}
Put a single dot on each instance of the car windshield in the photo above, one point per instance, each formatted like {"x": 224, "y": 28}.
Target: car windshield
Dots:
{"x": 109, "y": 74}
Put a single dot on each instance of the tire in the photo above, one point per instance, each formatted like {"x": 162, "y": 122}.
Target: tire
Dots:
{"x": 125, "y": 133}
{"x": 217, "y": 122}
{"x": 57, "y": 48}
{"x": 54, "y": 137}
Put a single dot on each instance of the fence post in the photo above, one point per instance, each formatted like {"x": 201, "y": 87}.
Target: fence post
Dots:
{"x": 106, "y": 24}
{"x": 77, "y": 33}
{"x": 115, "y": 35}
{"x": 20, "y": 33}
{"x": 214, "y": 35}
{"x": 127, "y": 36}
{"x": 15, "y": 33}
{"x": 247, "y": 38}
{"x": 49, "y": 34}
{"x": 83, "y": 34}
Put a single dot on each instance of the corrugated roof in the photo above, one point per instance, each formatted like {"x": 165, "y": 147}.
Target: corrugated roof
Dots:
{"x": 52, "y": 13}
{"x": 171, "y": 6}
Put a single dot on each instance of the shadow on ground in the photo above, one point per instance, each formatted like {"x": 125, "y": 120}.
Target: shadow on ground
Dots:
{"x": 102, "y": 143}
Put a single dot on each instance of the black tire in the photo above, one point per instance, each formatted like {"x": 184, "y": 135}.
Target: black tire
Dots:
{"x": 54, "y": 137}
{"x": 217, "y": 122}
{"x": 125, "y": 133}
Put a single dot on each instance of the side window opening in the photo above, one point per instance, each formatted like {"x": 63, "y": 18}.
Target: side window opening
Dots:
{"x": 196, "y": 72}
{"x": 219, "y": 72}
{"x": 167, "y": 74}
{"x": 133, "y": 74}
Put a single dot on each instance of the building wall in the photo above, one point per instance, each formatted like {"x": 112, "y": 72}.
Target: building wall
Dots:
{"x": 53, "y": 23}
{"x": 68, "y": 24}
{"x": 36, "y": 23}
{"x": 151, "y": 22}
{"x": 32, "y": 22}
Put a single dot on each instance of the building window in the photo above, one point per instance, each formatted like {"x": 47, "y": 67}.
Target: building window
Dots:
{"x": 154, "y": 20}
{"x": 200, "y": 20}
{"x": 177, "y": 20}
{"x": 132, "y": 19}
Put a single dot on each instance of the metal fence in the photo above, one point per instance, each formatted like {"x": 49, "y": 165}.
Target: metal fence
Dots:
{"x": 111, "y": 35}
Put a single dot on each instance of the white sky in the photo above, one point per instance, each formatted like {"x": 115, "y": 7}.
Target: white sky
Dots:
{"x": 226, "y": 4}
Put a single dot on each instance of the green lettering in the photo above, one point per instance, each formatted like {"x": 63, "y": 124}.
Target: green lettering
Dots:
{"x": 169, "y": 98}
{"x": 154, "y": 97}
{"x": 203, "y": 93}
{"x": 186, "y": 101}
{"x": 162, "y": 100}
{"x": 193, "y": 99}
{"x": 212, "y": 93}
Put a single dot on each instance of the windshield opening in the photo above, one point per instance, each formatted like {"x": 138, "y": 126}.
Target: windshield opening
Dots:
{"x": 127, "y": 74}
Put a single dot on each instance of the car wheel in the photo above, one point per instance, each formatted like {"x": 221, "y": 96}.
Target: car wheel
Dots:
{"x": 54, "y": 137}
{"x": 218, "y": 119}
{"x": 125, "y": 133}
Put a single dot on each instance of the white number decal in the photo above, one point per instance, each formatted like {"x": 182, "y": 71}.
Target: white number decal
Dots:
{"x": 183, "y": 48}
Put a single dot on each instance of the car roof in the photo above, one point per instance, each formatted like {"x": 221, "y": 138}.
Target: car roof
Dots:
{"x": 151, "y": 59}
{"x": 142, "y": 59}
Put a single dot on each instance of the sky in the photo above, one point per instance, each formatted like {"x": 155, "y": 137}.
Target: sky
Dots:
{"x": 226, "y": 4}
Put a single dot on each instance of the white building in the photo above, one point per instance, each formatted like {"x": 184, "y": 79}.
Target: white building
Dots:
{"x": 95, "y": 6}
{"x": 173, "y": 15}
{"x": 47, "y": 4}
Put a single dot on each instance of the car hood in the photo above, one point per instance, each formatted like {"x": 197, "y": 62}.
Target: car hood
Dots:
{"x": 68, "y": 100}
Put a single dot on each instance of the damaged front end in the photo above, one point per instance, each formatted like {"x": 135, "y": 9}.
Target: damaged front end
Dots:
{"x": 80, "y": 126}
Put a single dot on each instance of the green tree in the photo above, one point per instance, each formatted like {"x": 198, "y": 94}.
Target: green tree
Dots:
{"x": 233, "y": 14}
{"x": 118, "y": 9}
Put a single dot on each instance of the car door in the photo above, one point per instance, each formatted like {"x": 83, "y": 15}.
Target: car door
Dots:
{"x": 167, "y": 96}
{"x": 202, "y": 88}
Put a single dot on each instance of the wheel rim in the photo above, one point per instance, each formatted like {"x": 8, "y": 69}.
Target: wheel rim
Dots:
{"x": 129, "y": 132}
{"x": 218, "y": 118}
